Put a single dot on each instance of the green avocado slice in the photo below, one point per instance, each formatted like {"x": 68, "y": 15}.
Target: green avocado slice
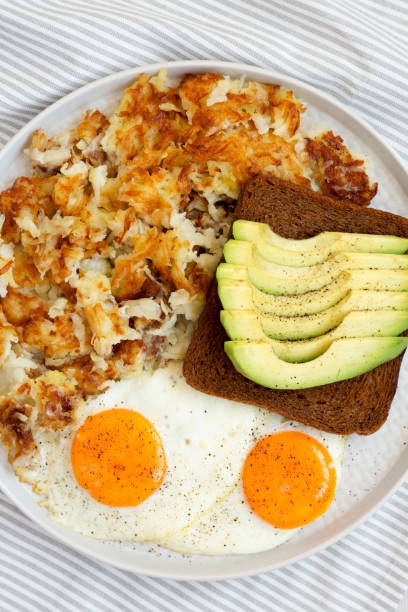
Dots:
{"x": 334, "y": 242}
{"x": 345, "y": 358}
{"x": 288, "y": 280}
{"x": 242, "y": 295}
{"x": 246, "y": 253}
{"x": 392, "y": 280}
{"x": 310, "y": 326}
{"x": 246, "y": 325}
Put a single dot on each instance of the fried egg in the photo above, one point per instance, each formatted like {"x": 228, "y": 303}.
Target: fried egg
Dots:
{"x": 152, "y": 459}
{"x": 193, "y": 449}
{"x": 290, "y": 482}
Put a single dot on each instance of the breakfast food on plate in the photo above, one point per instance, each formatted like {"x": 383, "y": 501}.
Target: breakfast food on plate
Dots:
{"x": 246, "y": 325}
{"x": 290, "y": 280}
{"x": 359, "y": 404}
{"x": 344, "y": 358}
{"x": 106, "y": 255}
{"x": 246, "y": 253}
{"x": 326, "y": 351}
{"x": 237, "y": 292}
{"x": 273, "y": 497}
{"x": 186, "y": 473}
{"x": 317, "y": 249}
{"x": 304, "y": 327}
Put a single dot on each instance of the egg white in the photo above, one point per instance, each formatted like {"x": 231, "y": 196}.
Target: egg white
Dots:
{"x": 230, "y": 527}
{"x": 206, "y": 440}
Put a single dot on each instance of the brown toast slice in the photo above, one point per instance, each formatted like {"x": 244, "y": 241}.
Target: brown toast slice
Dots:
{"x": 358, "y": 405}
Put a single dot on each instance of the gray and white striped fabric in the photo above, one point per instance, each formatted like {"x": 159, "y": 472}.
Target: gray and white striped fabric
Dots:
{"x": 357, "y": 51}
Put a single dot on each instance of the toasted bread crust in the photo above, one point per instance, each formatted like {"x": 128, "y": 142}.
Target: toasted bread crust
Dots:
{"x": 358, "y": 405}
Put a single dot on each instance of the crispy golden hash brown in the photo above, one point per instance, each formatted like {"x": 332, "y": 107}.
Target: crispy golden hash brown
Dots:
{"x": 107, "y": 251}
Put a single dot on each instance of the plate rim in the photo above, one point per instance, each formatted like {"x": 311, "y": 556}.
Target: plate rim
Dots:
{"x": 366, "y": 506}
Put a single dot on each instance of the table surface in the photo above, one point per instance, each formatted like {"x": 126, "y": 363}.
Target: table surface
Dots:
{"x": 404, "y": 604}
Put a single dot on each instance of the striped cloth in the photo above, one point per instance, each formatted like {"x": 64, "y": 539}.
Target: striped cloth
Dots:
{"x": 357, "y": 51}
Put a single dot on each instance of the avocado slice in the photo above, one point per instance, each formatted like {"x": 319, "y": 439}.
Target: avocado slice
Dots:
{"x": 285, "y": 257}
{"x": 234, "y": 287}
{"x": 246, "y": 253}
{"x": 310, "y": 326}
{"x": 334, "y": 242}
{"x": 238, "y": 293}
{"x": 364, "y": 279}
{"x": 392, "y": 280}
{"x": 281, "y": 280}
{"x": 246, "y": 325}
{"x": 231, "y": 271}
{"x": 345, "y": 358}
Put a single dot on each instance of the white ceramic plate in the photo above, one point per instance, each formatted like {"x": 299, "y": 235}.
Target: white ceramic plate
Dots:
{"x": 373, "y": 466}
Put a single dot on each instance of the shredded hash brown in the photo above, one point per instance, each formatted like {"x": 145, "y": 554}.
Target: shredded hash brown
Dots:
{"x": 108, "y": 249}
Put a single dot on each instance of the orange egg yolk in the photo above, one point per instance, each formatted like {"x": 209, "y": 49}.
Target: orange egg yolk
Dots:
{"x": 118, "y": 457}
{"x": 289, "y": 479}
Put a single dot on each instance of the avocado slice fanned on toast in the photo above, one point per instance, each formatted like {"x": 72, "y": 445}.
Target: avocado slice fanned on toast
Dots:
{"x": 246, "y": 253}
{"x": 289, "y": 280}
{"x": 344, "y": 359}
{"x": 310, "y": 326}
{"x": 236, "y": 292}
{"x": 272, "y": 284}
{"x": 313, "y": 250}
{"x": 246, "y": 325}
